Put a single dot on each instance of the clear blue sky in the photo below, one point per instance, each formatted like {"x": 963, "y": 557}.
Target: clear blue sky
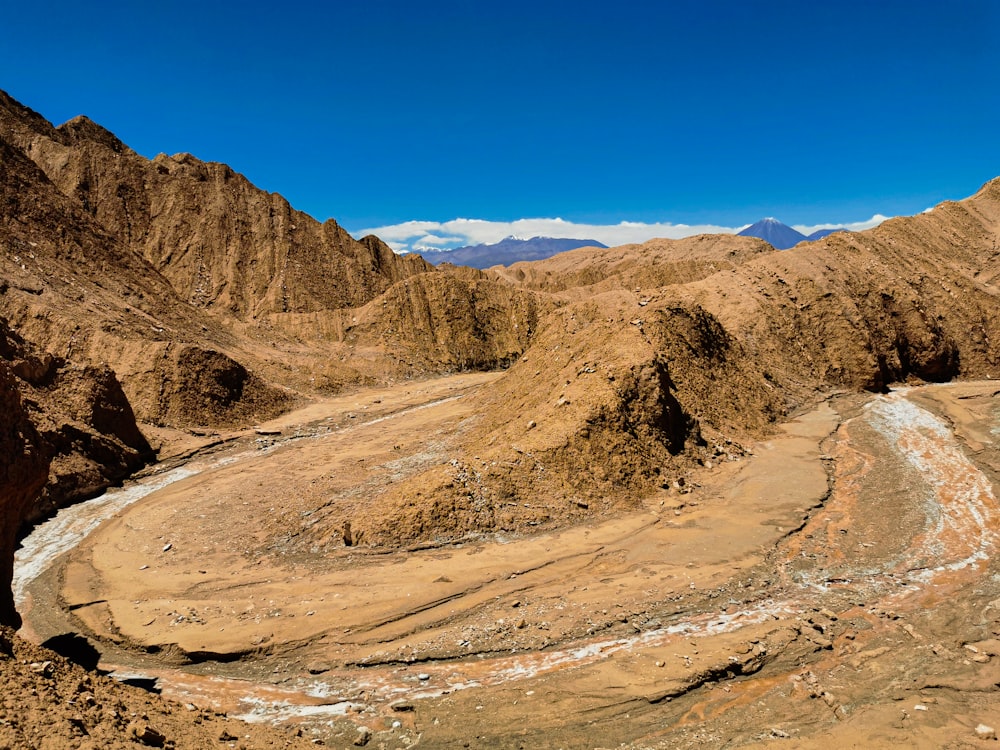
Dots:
{"x": 380, "y": 112}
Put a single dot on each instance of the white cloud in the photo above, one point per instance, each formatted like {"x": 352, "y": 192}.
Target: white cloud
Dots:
{"x": 433, "y": 239}
{"x": 415, "y": 236}
{"x": 857, "y": 226}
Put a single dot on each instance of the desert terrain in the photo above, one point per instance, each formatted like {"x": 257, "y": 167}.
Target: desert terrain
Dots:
{"x": 796, "y": 594}
{"x": 681, "y": 494}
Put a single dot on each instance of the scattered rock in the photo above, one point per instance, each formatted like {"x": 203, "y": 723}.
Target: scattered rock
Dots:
{"x": 986, "y": 732}
{"x": 147, "y": 735}
{"x": 364, "y": 736}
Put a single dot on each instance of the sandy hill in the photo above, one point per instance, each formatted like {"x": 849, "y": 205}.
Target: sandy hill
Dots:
{"x": 648, "y": 266}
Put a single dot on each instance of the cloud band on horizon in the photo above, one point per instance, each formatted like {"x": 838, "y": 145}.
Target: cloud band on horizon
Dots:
{"x": 418, "y": 236}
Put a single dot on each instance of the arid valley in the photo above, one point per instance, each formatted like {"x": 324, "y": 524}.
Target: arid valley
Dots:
{"x": 687, "y": 493}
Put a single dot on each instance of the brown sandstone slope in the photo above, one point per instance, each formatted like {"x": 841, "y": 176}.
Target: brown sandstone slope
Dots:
{"x": 653, "y": 264}
{"x": 222, "y": 243}
{"x": 86, "y": 429}
{"x": 911, "y": 298}
{"x": 428, "y": 324}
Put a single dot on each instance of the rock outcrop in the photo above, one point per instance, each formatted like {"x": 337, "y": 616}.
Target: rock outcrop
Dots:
{"x": 23, "y": 471}
{"x": 68, "y": 432}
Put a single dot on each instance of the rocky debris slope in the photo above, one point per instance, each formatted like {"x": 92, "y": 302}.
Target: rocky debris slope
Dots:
{"x": 913, "y": 298}
{"x": 49, "y": 703}
{"x": 431, "y": 324}
{"x": 85, "y": 424}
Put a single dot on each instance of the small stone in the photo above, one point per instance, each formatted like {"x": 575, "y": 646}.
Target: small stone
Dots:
{"x": 364, "y": 735}
{"x": 150, "y": 736}
{"x": 423, "y": 677}
{"x": 920, "y": 707}
{"x": 318, "y": 668}
{"x": 985, "y": 732}
{"x": 44, "y": 668}
{"x": 167, "y": 546}
{"x": 402, "y": 706}
{"x": 532, "y": 424}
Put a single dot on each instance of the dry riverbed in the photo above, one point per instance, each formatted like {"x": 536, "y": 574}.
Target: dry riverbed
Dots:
{"x": 836, "y": 588}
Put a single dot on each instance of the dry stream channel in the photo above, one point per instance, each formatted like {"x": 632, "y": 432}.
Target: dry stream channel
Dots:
{"x": 838, "y": 586}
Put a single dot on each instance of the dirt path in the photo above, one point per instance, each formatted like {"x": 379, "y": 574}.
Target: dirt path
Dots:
{"x": 717, "y": 616}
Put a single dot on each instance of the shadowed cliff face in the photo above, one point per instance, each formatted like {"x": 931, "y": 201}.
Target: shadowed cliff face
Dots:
{"x": 23, "y": 471}
{"x": 81, "y": 424}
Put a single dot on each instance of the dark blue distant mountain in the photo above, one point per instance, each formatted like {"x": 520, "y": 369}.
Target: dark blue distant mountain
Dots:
{"x": 506, "y": 251}
{"x": 780, "y": 236}
{"x": 821, "y": 233}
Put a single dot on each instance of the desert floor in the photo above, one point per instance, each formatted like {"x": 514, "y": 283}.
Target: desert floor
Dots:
{"x": 838, "y": 587}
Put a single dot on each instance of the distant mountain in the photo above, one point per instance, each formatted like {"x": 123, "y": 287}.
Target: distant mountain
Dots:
{"x": 780, "y": 236}
{"x": 821, "y": 233}
{"x": 506, "y": 251}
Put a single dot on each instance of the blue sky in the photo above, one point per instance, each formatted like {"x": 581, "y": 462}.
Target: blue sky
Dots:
{"x": 379, "y": 113}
